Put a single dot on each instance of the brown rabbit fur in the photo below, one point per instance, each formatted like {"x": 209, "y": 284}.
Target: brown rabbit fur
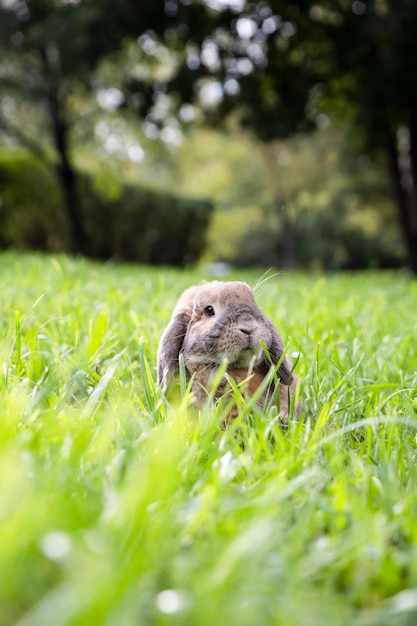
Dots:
{"x": 217, "y": 322}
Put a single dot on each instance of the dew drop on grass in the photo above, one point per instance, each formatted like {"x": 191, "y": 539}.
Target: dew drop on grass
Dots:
{"x": 322, "y": 543}
{"x": 172, "y": 601}
{"x": 404, "y": 601}
{"x": 398, "y": 508}
{"x": 56, "y": 545}
{"x": 228, "y": 466}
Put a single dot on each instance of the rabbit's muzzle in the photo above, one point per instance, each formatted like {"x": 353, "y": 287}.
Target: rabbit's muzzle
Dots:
{"x": 235, "y": 338}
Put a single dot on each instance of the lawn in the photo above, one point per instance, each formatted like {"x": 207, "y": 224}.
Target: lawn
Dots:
{"x": 118, "y": 508}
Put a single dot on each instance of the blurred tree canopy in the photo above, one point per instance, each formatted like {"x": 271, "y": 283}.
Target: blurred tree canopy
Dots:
{"x": 49, "y": 51}
{"x": 287, "y": 66}
{"x": 309, "y": 201}
{"x": 281, "y": 66}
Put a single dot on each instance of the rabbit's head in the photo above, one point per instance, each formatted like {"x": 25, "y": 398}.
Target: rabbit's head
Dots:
{"x": 220, "y": 321}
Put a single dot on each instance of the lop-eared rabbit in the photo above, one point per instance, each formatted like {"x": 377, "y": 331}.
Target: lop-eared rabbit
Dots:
{"x": 217, "y": 322}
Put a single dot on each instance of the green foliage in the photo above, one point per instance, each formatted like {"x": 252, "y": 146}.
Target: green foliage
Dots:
{"x": 311, "y": 201}
{"x": 280, "y": 66}
{"x": 145, "y": 225}
{"x": 118, "y": 508}
{"x": 121, "y": 220}
{"x": 28, "y": 203}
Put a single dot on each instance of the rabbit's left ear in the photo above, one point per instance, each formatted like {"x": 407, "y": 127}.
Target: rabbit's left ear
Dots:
{"x": 276, "y": 355}
{"x": 173, "y": 336}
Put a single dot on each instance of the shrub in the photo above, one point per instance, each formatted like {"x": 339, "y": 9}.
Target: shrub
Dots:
{"x": 134, "y": 223}
{"x": 327, "y": 239}
{"x": 30, "y": 215}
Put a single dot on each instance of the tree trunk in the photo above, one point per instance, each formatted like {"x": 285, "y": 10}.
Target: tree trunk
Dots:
{"x": 413, "y": 167}
{"x": 288, "y": 243}
{"x": 65, "y": 171}
{"x": 406, "y": 200}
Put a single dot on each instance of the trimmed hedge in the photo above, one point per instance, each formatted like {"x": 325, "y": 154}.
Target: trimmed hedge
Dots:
{"x": 134, "y": 224}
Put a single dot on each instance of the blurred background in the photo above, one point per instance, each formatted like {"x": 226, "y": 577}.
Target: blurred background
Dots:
{"x": 267, "y": 133}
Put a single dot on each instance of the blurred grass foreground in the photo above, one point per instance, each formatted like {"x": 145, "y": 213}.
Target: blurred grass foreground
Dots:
{"x": 119, "y": 509}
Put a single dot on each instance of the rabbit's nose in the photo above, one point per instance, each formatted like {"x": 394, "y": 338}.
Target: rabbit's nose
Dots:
{"x": 247, "y": 326}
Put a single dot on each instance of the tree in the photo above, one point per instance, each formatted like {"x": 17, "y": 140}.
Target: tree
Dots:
{"x": 49, "y": 50}
{"x": 374, "y": 51}
{"x": 285, "y": 65}
{"x": 282, "y": 65}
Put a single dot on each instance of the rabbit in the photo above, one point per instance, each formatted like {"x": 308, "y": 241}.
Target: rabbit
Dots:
{"x": 217, "y": 322}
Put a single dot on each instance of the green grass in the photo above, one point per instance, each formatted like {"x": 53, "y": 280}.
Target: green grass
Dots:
{"x": 119, "y": 509}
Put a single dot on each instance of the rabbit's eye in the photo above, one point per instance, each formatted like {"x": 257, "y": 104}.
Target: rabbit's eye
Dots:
{"x": 208, "y": 311}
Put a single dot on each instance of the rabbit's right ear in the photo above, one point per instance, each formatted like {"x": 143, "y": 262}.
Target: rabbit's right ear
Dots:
{"x": 173, "y": 336}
